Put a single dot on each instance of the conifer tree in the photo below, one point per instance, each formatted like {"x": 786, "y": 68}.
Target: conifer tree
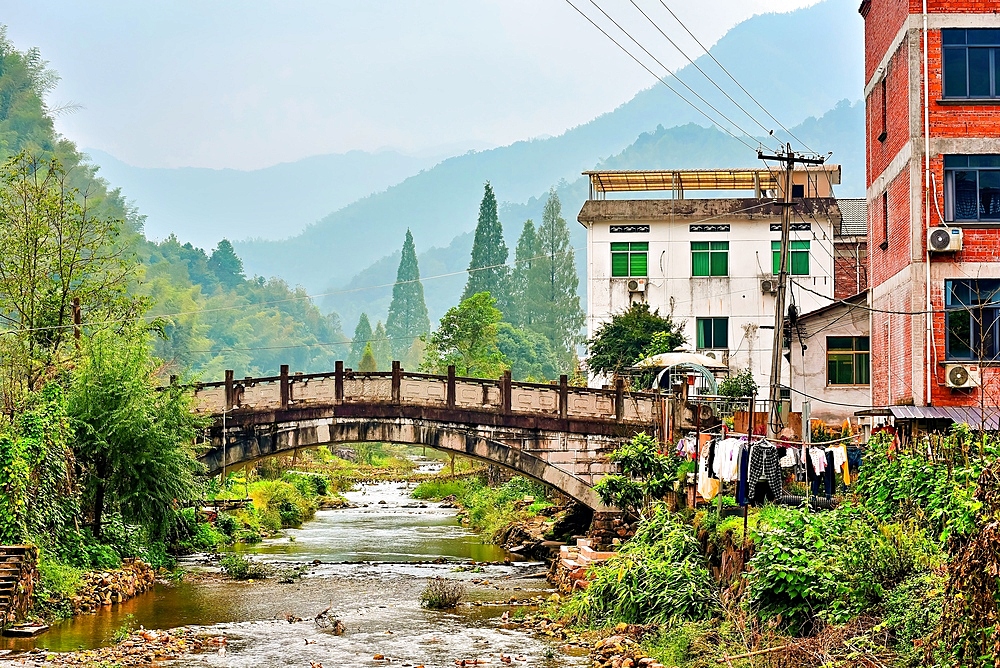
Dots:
{"x": 226, "y": 264}
{"x": 381, "y": 348}
{"x": 488, "y": 271}
{"x": 551, "y": 299}
{"x": 407, "y": 318}
{"x": 362, "y": 336}
{"x": 526, "y": 251}
{"x": 368, "y": 362}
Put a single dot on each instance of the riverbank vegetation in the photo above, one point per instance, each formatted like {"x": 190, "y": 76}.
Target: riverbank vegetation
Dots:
{"x": 891, "y": 577}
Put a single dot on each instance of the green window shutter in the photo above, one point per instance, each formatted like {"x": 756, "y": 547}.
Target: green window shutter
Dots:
{"x": 699, "y": 263}
{"x": 637, "y": 264}
{"x": 800, "y": 263}
{"x": 699, "y": 245}
{"x": 720, "y": 333}
{"x": 619, "y": 264}
{"x": 720, "y": 263}
{"x": 619, "y": 246}
{"x": 776, "y": 262}
{"x": 799, "y": 245}
{"x": 639, "y": 245}
{"x": 720, "y": 245}
{"x": 839, "y": 343}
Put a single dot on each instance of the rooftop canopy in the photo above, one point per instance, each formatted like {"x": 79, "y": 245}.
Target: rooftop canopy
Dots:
{"x": 681, "y": 180}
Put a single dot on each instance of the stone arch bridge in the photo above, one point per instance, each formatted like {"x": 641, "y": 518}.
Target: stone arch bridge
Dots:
{"x": 557, "y": 434}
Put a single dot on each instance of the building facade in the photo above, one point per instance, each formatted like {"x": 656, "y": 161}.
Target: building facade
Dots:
{"x": 710, "y": 263}
{"x": 933, "y": 189}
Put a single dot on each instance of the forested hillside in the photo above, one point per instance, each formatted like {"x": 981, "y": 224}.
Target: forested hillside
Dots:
{"x": 765, "y": 53}
{"x": 201, "y": 303}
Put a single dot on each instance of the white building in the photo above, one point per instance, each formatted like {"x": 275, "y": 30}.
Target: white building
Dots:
{"x": 710, "y": 263}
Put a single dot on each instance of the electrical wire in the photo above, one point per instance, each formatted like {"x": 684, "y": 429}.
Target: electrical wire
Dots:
{"x": 723, "y": 68}
{"x": 658, "y": 77}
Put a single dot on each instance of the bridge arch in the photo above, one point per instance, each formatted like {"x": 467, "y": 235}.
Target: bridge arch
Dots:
{"x": 249, "y": 444}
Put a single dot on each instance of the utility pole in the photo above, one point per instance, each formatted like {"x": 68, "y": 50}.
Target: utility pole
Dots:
{"x": 788, "y": 158}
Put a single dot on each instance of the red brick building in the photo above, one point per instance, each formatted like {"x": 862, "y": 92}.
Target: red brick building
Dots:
{"x": 932, "y": 75}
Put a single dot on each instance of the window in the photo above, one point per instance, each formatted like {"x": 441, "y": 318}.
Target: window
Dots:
{"x": 885, "y": 109}
{"x": 848, "y": 361}
{"x": 972, "y": 311}
{"x": 971, "y": 187}
{"x": 709, "y": 258}
{"x": 798, "y": 257}
{"x": 713, "y": 333}
{"x": 971, "y": 63}
{"x": 629, "y": 258}
{"x": 798, "y": 190}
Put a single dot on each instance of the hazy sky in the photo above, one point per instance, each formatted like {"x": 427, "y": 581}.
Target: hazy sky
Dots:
{"x": 250, "y": 83}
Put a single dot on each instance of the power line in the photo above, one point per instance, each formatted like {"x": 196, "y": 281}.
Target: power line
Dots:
{"x": 696, "y": 66}
{"x": 723, "y": 68}
{"x": 658, "y": 77}
{"x": 669, "y": 71}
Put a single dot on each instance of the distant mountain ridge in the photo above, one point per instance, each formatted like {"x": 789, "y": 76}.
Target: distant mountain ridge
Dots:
{"x": 203, "y": 205}
{"x": 764, "y": 53}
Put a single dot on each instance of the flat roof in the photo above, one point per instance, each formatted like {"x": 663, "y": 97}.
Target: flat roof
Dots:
{"x": 693, "y": 179}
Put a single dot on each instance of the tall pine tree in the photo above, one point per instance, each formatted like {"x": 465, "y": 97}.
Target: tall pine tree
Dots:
{"x": 552, "y": 302}
{"x": 488, "y": 271}
{"x": 362, "y": 336}
{"x": 407, "y": 313}
{"x": 526, "y": 251}
{"x": 380, "y": 347}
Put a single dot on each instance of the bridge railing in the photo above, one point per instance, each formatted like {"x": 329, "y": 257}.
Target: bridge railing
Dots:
{"x": 344, "y": 386}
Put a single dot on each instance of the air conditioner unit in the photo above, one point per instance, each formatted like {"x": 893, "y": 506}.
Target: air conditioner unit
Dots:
{"x": 769, "y": 285}
{"x": 961, "y": 375}
{"x": 637, "y": 285}
{"x": 944, "y": 239}
{"x": 721, "y": 355}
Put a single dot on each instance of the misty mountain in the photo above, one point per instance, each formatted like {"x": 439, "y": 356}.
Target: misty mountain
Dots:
{"x": 204, "y": 205}
{"x": 765, "y": 53}
{"x": 691, "y": 146}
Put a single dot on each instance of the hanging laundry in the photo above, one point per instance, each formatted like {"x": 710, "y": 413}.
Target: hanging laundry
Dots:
{"x": 708, "y": 486}
{"x": 790, "y": 459}
{"x": 839, "y": 453}
{"x": 727, "y": 452}
{"x": 764, "y": 471}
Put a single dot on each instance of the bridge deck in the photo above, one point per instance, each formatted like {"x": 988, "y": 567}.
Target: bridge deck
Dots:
{"x": 242, "y": 399}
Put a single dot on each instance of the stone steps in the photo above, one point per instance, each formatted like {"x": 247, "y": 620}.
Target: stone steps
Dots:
{"x": 11, "y": 558}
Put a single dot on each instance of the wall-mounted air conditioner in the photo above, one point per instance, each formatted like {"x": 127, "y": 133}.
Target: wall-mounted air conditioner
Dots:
{"x": 961, "y": 375}
{"x": 637, "y": 285}
{"x": 769, "y": 285}
{"x": 944, "y": 239}
{"x": 720, "y": 355}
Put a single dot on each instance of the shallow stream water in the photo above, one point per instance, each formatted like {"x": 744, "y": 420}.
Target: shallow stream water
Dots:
{"x": 375, "y": 561}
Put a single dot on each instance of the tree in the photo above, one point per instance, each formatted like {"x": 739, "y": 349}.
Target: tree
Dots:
{"x": 131, "y": 437}
{"x": 226, "y": 264}
{"x": 54, "y": 248}
{"x": 621, "y": 342}
{"x": 362, "y": 337}
{"x": 524, "y": 255}
{"x": 467, "y": 338}
{"x": 646, "y": 476}
{"x": 381, "y": 348}
{"x": 551, "y": 303}
{"x": 368, "y": 362}
{"x": 488, "y": 271}
{"x": 529, "y": 354}
{"x": 407, "y": 319}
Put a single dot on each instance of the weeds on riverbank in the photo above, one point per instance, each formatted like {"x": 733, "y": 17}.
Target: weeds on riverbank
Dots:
{"x": 441, "y": 594}
{"x": 240, "y": 567}
{"x": 492, "y": 511}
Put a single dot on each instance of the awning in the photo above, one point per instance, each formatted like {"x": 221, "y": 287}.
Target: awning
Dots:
{"x": 674, "y": 359}
{"x": 988, "y": 418}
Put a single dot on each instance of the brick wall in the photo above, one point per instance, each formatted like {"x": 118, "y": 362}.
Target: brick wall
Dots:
{"x": 885, "y": 263}
{"x": 882, "y": 21}
{"x": 897, "y": 114}
{"x": 850, "y": 266}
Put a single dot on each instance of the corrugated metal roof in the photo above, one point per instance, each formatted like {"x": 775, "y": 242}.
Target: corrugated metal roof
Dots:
{"x": 988, "y": 418}
{"x": 854, "y": 213}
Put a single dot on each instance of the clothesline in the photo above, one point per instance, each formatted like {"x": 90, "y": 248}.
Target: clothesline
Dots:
{"x": 785, "y": 442}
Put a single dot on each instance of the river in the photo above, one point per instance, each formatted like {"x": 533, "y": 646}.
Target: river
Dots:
{"x": 375, "y": 559}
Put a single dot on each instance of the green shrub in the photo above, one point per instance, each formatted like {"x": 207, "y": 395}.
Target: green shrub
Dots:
{"x": 659, "y": 577}
{"x": 310, "y": 485}
{"x": 441, "y": 594}
{"x": 435, "y": 489}
{"x": 103, "y": 557}
{"x": 275, "y": 497}
{"x": 57, "y": 584}
{"x": 239, "y": 567}
{"x": 912, "y": 614}
{"x": 227, "y": 524}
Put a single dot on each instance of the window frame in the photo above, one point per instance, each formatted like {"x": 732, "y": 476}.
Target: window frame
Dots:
{"x": 958, "y": 45}
{"x": 711, "y": 254}
{"x": 717, "y": 325}
{"x": 972, "y": 316}
{"x": 976, "y": 165}
{"x": 633, "y": 252}
{"x": 798, "y": 249}
{"x": 859, "y": 352}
